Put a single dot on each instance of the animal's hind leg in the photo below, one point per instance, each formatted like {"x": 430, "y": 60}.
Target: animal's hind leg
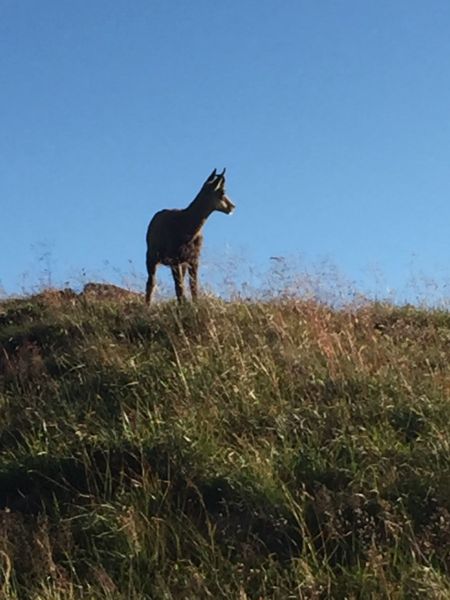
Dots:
{"x": 177, "y": 272}
{"x": 193, "y": 281}
{"x": 151, "y": 268}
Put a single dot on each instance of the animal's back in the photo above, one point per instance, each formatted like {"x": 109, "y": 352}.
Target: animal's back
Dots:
{"x": 162, "y": 220}
{"x": 167, "y": 239}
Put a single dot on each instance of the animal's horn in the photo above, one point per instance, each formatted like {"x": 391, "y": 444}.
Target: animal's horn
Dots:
{"x": 211, "y": 177}
{"x": 223, "y": 172}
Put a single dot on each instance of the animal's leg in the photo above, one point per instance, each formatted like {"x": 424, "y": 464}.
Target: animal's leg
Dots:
{"x": 177, "y": 273}
{"x": 193, "y": 282}
{"x": 151, "y": 268}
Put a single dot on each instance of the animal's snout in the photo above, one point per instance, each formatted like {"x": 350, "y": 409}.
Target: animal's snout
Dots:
{"x": 229, "y": 206}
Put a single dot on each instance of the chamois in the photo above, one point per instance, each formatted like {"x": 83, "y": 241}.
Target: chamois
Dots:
{"x": 174, "y": 235}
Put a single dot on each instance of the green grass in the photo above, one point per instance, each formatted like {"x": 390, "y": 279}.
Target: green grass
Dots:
{"x": 247, "y": 450}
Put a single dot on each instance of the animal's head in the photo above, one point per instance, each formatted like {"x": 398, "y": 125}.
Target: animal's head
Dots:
{"x": 214, "y": 186}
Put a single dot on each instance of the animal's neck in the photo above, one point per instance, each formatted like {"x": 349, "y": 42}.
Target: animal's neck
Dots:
{"x": 197, "y": 212}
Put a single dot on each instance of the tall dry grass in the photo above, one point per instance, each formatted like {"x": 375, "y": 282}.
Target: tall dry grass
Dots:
{"x": 269, "y": 449}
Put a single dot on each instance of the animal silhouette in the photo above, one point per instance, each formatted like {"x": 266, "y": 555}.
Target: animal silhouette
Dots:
{"x": 174, "y": 236}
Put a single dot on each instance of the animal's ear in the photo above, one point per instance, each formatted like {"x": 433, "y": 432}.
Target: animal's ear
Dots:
{"x": 223, "y": 173}
{"x": 211, "y": 177}
{"x": 220, "y": 183}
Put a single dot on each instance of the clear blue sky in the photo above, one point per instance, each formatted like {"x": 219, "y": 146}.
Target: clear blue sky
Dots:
{"x": 331, "y": 116}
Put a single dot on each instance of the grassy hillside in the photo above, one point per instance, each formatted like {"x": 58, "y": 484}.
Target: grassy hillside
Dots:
{"x": 223, "y": 450}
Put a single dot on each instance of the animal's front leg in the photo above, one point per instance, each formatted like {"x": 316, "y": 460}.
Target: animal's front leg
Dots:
{"x": 183, "y": 271}
{"x": 177, "y": 273}
{"x": 193, "y": 281}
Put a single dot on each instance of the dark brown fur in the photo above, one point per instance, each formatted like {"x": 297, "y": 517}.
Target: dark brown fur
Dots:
{"x": 174, "y": 235}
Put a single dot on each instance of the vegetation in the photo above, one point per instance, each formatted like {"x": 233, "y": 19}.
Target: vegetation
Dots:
{"x": 244, "y": 450}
